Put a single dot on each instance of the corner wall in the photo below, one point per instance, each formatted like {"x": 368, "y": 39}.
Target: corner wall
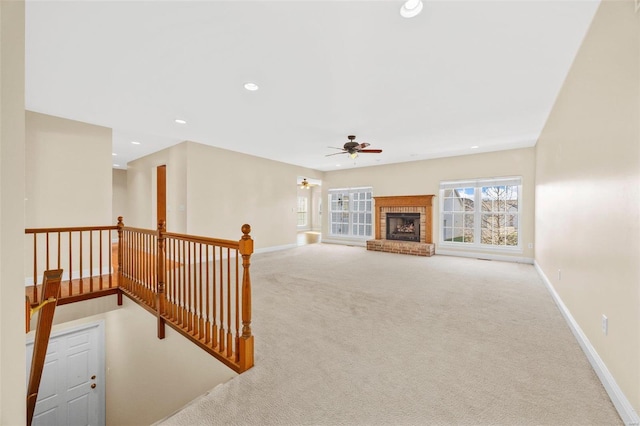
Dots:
{"x": 588, "y": 192}
{"x": 12, "y": 170}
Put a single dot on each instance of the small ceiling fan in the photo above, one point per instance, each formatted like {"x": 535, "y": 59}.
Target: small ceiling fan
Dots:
{"x": 354, "y": 148}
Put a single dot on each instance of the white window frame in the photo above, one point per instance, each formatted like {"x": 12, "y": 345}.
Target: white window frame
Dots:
{"x": 360, "y": 215}
{"x": 475, "y": 216}
{"x": 303, "y": 209}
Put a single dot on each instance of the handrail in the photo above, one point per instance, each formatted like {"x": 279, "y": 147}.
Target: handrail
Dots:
{"x": 71, "y": 229}
{"x": 199, "y": 286}
{"x": 50, "y": 290}
{"x": 83, "y": 251}
{"x": 204, "y": 240}
{"x": 194, "y": 285}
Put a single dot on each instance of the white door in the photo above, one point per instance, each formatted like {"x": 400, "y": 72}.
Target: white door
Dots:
{"x": 72, "y": 389}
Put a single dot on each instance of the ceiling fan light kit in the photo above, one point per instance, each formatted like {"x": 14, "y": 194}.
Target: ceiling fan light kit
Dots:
{"x": 354, "y": 148}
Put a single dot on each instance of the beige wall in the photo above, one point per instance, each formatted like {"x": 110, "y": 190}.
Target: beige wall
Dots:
{"x": 213, "y": 192}
{"x": 119, "y": 192}
{"x": 423, "y": 178}
{"x": 12, "y": 170}
{"x": 147, "y": 378}
{"x": 588, "y": 192}
{"x": 141, "y": 189}
{"x": 68, "y": 183}
{"x": 68, "y": 172}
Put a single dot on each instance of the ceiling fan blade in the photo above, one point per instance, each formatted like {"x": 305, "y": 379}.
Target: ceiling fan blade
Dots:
{"x": 335, "y": 147}
{"x": 329, "y": 155}
{"x": 371, "y": 151}
{"x": 363, "y": 145}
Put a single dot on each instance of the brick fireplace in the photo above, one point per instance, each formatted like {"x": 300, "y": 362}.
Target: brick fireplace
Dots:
{"x": 407, "y": 207}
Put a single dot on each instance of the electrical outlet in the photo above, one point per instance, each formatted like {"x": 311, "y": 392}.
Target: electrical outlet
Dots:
{"x": 605, "y": 324}
{"x": 530, "y": 245}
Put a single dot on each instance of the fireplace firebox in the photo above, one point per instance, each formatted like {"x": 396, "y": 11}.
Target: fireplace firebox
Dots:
{"x": 403, "y": 226}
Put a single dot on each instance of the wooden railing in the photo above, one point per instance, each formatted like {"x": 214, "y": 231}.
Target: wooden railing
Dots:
{"x": 83, "y": 252}
{"x": 199, "y": 286}
{"x": 50, "y": 290}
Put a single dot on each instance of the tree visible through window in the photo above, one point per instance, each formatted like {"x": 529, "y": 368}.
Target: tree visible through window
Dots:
{"x": 481, "y": 212}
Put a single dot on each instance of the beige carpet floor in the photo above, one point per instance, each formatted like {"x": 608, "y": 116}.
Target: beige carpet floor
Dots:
{"x": 346, "y": 336}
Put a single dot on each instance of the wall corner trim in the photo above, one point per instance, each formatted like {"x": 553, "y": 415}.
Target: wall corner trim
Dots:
{"x": 620, "y": 401}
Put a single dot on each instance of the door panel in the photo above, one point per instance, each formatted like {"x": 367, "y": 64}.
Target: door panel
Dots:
{"x": 72, "y": 387}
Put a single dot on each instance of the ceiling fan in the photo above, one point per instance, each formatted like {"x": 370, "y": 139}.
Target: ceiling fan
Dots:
{"x": 354, "y": 148}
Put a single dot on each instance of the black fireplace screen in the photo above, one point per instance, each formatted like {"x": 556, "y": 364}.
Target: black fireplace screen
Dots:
{"x": 403, "y": 226}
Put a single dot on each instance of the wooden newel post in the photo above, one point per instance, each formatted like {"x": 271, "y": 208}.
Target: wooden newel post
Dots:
{"x": 161, "y": 296}
{"x": 120, "y": 257}
{"x": 245, "y": 349}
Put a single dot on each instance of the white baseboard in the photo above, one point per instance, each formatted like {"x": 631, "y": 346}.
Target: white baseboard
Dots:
{"x": 620, "y": 401}
{"x": 86, "y": 273}
{"x": 488, "y": 256}
{"x": 345, "y": 242}
{"x": 274, "y": 248}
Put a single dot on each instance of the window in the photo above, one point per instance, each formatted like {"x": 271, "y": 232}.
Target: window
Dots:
{"x": 350, "y": 212}
{"x": 303, "y": 212}
{"x": 481, "y": 213}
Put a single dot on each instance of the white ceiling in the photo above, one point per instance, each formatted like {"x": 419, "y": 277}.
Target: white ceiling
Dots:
{"x": 461, "y": 74}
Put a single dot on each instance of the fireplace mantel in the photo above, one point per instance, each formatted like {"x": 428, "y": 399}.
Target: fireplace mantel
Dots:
{"x": 408, "y": 201}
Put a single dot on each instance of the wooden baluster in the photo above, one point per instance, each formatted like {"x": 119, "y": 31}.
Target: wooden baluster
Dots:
{"x": 176, "y": 281}
{"x": 185, "y": 322}
{"x": 188, "y": 284}
{"x": 172, "y": 274}
{"x": 222, "y": 331}
{"x": 152, "y": 287}
{"x": 120, "y": 257}
{"x": 237, "y": 295}
{"x": 200, "y": 295}
{"x": 245, "y": 360}
{"x": 146, "y": 279}
{"x": 214, "y": 304}
{"x": 90, "y": 261}
{"x": 207, "y": 325}
{"x": 70, "y": 272}
{"x": 161, "y": 297}
{"x": 81, "y": 290}
{"x": 47, "y": 251}
{"x": 229, "y": 335}
{"x": 141, "y": 269}
{"x": 196, "y": 319}
{"x": 100, "y": 251}
{"x": 58, "y": 249}
{"x": 35, "y": 268}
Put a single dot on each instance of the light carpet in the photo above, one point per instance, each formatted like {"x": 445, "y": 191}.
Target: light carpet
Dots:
{"x": 345, "y": 336}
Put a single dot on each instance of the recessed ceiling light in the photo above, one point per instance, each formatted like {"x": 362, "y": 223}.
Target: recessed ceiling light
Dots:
{"x": 475, "y": 147}
{"x": 337, "y": 165}
{"x": 135, "y": 142}
{"x": 114, "y": 154}
{"x": 180, "y": 121}
{"x": 411, "y": 8}
{"x": 116, "y": 165}
{"x": 252, "y": 87}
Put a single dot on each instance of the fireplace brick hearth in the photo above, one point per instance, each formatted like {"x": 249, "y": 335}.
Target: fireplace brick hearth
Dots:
{"x": 421, "y": 204}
